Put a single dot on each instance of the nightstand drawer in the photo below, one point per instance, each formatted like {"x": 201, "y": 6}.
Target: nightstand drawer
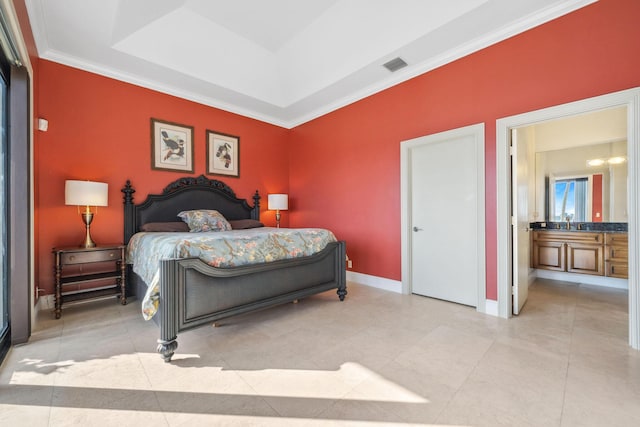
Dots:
{"x": 83, "y": 257}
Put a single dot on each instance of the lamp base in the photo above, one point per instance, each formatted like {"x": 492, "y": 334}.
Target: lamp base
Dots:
{"x": 88, "y": 243}
{"x": 87, "y": 217}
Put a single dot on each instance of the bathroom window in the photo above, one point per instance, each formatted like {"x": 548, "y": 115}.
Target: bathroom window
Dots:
{"x": 571, "y": 199}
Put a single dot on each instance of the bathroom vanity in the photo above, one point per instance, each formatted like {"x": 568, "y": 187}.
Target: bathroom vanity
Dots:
{"x": 584, "y": 250}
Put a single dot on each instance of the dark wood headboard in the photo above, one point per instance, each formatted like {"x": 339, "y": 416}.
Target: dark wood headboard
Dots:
{"x": 186, "y": 193}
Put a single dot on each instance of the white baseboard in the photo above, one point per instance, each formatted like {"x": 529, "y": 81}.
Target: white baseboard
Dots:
{"x": 375, "y": 282}
{"x": 586, "y": 279}
{"x": 43, "y": 307}
{"x": 45, "y": 302}
{"x": 491, "y": 308}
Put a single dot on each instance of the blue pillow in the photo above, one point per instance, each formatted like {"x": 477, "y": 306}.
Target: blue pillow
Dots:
{"x": 205, "y": 220}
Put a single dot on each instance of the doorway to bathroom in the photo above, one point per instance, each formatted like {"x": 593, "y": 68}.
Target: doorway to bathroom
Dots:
{"x": 629, "y": 101}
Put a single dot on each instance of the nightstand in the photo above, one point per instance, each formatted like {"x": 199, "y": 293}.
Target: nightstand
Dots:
{"x": 87, "y": 273}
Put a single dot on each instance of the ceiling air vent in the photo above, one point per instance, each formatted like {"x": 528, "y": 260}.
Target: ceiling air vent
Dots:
{"x": 395, "y": 64}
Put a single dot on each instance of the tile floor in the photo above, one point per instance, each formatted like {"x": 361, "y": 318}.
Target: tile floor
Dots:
{"x": 377, "y": 359}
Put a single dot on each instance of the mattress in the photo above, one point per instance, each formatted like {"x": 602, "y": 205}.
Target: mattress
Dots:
{"x": 221, "y": 249}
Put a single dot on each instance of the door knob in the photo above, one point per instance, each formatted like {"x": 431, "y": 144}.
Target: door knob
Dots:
{"x": 417, "y": 229}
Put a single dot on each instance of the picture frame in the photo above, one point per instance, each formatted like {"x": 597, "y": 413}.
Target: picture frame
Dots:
{"x": 171, "y": 146}
{"x": 223, "y": 154}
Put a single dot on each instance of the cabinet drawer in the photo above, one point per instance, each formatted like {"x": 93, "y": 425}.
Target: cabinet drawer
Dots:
{"x": 83, "y": 257}
{"x": 621, "y": 239}
{"x": 617, "y": 252}
{"x": 617, "y": 269}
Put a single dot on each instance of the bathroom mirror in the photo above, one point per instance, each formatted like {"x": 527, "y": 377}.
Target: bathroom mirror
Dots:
{"x": 586, "y": 183}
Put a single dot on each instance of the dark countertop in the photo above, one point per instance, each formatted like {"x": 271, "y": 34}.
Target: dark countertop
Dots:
{"x": 587, "y": 227}
{"x": 573, "y": 230}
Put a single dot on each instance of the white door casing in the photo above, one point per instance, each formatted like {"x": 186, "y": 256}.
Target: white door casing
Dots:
{"x": 631, "y": 100}
{"x": 451, "y": 226}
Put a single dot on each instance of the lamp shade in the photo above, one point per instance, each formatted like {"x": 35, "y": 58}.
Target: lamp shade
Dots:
{"x": 278, "y": 202}
{"x": 86, "y": 193}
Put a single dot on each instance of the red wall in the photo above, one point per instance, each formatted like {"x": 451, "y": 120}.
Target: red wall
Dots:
{"x": 596, "y": 207}
{"x": 345, "y": 166}
{"x": 99, "y": 130}
{"x": 342, "y": 170}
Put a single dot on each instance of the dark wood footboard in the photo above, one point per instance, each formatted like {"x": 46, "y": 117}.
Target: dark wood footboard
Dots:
{"x": 193, "y": 293}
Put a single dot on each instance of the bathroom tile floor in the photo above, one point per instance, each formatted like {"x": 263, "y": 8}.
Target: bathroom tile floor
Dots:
{"x": 376, "y": 359}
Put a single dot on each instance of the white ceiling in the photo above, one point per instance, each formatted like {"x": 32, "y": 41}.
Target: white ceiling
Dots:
{"x": 280, "y": 61}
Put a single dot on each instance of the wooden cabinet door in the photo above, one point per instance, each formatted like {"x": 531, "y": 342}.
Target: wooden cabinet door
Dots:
{"x": 585, "y": 258}
{"x": 549, "y": 255}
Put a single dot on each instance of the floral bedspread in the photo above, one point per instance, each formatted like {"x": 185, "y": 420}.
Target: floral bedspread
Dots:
{"x": 218, "y": 249}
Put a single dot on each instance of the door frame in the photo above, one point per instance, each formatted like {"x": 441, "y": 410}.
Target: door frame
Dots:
{"x": 476, "y": 131}
{"x": 628, "y": 98}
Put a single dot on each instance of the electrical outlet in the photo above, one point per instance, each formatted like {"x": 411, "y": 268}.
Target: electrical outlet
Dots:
{"x": 349, "y": 264}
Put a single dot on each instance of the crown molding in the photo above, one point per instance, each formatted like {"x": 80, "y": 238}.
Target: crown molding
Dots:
{"x": 289, "y": 118}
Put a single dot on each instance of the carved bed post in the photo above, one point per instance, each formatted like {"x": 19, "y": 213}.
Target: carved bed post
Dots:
{"x": 129, "y": 218}
{"x": 129, "y": 229}
{"x": 341, "y": 270}
{"x": 255, "y": 213}
{"x": 169, "y": 300}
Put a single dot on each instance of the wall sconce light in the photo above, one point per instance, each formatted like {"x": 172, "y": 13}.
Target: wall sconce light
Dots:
{"x": 612, "y": 161}
{"x": 278, "y": 202}
{"x": 616, "y": 160}
{"x": 595, "y": 162}
{"x": 87, "y": 194}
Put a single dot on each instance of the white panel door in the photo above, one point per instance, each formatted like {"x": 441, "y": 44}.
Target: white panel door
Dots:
{"x": 444, "y": 207}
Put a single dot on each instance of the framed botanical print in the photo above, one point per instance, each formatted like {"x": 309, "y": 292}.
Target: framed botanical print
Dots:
{"x": 223, "y": 154}
{"x": 171, "y": 146}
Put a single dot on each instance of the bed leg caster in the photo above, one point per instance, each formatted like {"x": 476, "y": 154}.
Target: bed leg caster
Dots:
{"x": 342, "y": 293}
{"x": 167, "y": 348}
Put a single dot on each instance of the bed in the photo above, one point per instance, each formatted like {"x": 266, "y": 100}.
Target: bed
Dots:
{"x": 193, "y": 293}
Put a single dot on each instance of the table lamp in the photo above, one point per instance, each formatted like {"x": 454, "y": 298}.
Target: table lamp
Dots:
{"x": 87, "y": 194}
{"x": 278, "y": 202}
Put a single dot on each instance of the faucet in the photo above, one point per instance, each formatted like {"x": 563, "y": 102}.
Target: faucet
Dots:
{"x": 568, "y": 222}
